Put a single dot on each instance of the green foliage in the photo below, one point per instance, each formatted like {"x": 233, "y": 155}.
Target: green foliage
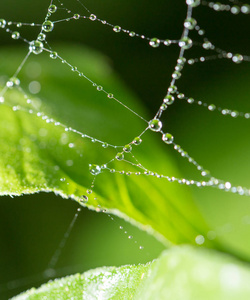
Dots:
{"x": 36, "y": 155}
{"x": 179, "y": 273}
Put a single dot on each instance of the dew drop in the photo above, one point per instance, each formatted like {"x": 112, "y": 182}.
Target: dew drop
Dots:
{"x": 15, "y": 35}
{"x": 89, "y": 192}
{"x": 172, "y": 89}
{"x": 53, "y": 55}
{"x": 141, "y": 247}
{"x": 41, "y": 36}
{"x": 127, "y": 148}
{"x": 36, "y": 47}
{"x": 76, "y": 16}
{"x": 245, "y": 9}
{"x": 99, "y": 88}
{"x": 176, "y": 75}
{"x": 155, "y": 125}
{"x": 207, "y": 45}
{"x": 2, "y": 23}
{"x": 13, "y": 82}
{"x": 137, "y": 141}
{"x": 130, "y": 237}
{"x": 154, "y": 42}
{"x": 237, "y": 58}
{"x": 52, "y": 9}
{"x": 200, "y": 239}
{"x": 94, "y": 169}
{"x": 132, "y": 34}
{"x": 167, "y": 42}
{"x": 169, "y": 100}
{"x": 47, "y": 26}
{"x": 190, "y": 23}
{"x": 181, "y": 61}
{"x": 92, "y": 17}
{"x": 163, "y": 106}
{"x": 105, "y": 145}
{"x": 119, "y": 156}
{"x": 167, "y": 138}
{"x": 117, "y": 28}
{"x": 185, "y": 43}
{"x": 109, "y": 95}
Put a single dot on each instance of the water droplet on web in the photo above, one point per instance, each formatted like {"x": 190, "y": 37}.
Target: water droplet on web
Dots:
{"x": 117, "y": 28}
{"x": 237, "y": 58}
{"x": 53, "y": 55}
{"x": 48, "y": 26}
{"x": 141, "y": 247}
{"x": 15, "y": 35}
{"x": 155, "y": 125}
{"x": 154, "y": 42}
{"x": 163, "y": 106}
{"x": 176, "y": 75}
{"x": 181, "y": 61}
{"x": 167, "y": 42}
{"x": 169, "y": 100}
{"x": 76, "y": 16}
{"x": 99, "y": 88}
{"x": 193, "y": 3}
{"x": 89, "y": 192}
{"x": 132, "y": 34}
{"x": 172, "y": 89}
{"x": 207, "y": 45}
{"x": 245, "y": 9}
{"x": 41, "y": 36}
{"x": 190, "y": 23}
{"x": 13, "y": 82}
{"x": 36, "y": 47}
{"x": 127, "y": 148}
{"x": 130, "y": 237}
{"x": 2, "y": 23}
{"x": 119, "y": 156}
{"x": 137, "y": 141}
{"x": 185, "y": 43}
{"x": 105, "y": 145}
{"x": 94, "y": 169}
{"x": 52, "y": 9}
{"x": 109, "y": 95}
{"x": 167, "y": 138}
{"x": 92, "y": 17}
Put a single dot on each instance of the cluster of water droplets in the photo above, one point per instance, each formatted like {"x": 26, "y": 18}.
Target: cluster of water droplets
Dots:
{"x": 124, "y": 152}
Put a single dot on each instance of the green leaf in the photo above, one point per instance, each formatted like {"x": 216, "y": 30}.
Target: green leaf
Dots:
{"x": 180, "y": 273}
{"x": 36, "y": 155}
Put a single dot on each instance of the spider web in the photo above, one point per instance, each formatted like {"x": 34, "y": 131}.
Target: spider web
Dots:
{"x": 193, "y": 36}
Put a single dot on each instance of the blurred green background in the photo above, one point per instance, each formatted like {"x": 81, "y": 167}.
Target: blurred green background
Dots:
{"x": 32, "y": 226}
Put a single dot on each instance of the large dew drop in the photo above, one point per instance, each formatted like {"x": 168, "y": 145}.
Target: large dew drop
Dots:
{"x": 36, "y": 47}
{"x": 47, "y": 26}
{"x": 155, "y": 125}
{"x": 167, "y": 138}
{"x": 94, "y": 169}
{"x": 52, "y": 9}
